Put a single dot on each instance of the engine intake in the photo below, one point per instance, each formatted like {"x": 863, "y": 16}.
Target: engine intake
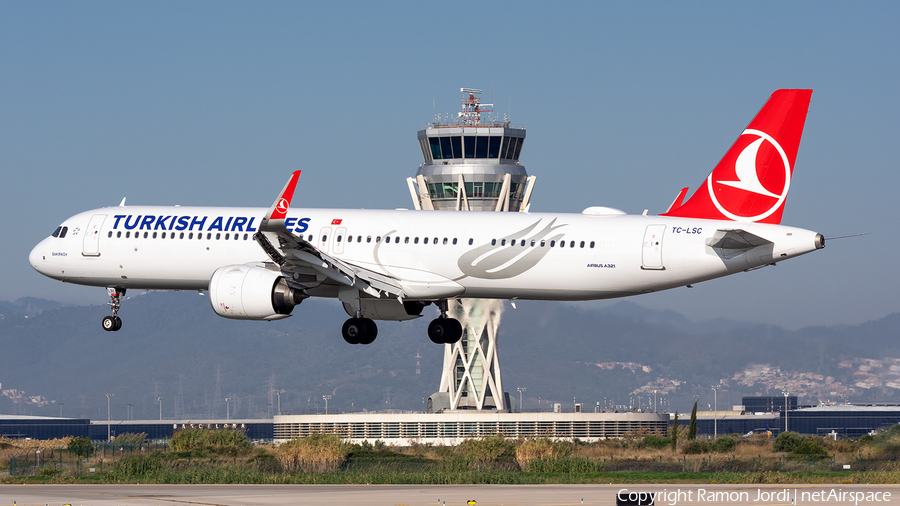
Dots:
{"x": 242, "y": 292}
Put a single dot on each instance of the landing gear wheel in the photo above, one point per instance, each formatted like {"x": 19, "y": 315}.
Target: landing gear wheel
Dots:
{"x": 355, "y": 330}
{"x": 456, "y": 330}
{"x": 371, "y": 332}
{"x": 118, "y": 323}
{"x": 109, "y": 323}
{"x": 445, "y": 330}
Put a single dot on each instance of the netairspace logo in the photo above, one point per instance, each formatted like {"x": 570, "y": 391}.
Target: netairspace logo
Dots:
{"x": 783, "y": 496}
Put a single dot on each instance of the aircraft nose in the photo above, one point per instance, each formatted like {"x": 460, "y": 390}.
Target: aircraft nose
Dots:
{"x": 37, "y": 258}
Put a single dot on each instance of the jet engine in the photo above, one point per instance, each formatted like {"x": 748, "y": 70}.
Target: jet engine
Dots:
{"x": 244, "y": 292}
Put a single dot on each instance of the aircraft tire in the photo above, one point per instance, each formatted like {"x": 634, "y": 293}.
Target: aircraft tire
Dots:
{"x": 118, "y": 323}
{"x": 108, "y": 323}
{"x": 354, "y": 330}
{"x": 456, "y": 330}
{"x": 438, "y": 330}
{"x": 371, "y": 331}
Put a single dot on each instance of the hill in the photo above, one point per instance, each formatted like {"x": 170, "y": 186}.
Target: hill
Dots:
{"x": 173, "y": 346}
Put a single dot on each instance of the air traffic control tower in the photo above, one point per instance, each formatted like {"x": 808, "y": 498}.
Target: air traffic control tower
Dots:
{"x": 471, "y": 163}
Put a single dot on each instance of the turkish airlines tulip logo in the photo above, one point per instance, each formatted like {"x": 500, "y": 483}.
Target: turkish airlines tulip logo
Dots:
{"x": 282, "y": 206}
{"x": 753, "y": 184}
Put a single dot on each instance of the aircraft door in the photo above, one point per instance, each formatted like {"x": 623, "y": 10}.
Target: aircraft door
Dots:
{"x": 91, "y": 244}
{"x": 324, "y": 237}
{"x": 340, "y": 236}
{"x": 651, "y": 257}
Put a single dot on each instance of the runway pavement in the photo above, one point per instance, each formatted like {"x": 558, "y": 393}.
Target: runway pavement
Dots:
{"x": 443, "y": 495}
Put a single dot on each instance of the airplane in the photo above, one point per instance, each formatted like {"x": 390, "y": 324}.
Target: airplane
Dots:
{"x": 258, "y": 263}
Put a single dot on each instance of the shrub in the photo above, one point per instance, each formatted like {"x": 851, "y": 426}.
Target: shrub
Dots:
{"x": 543, "y": 448}
{"x": 565, "y": 465}
{"x": 656, "y": 442}
{"x": 723, "y": 445}
{"x": 695, "y": 447}
{"x": 202, "y": 441}
{"x": 81, "y": 447}
{"x": 130, "y": 439}
{"x": 137, "y": 466}
{"x": 487, "y": 449}
{"x": 315, "y": 453}
{"x": 787, "y": 441}
{"x": 809, "y": 448}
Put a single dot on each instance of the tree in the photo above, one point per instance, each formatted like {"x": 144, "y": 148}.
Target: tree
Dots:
{"x": 82, "y": 447}
{"x": 692, "y": 430}
{"x": 675, "y": 432}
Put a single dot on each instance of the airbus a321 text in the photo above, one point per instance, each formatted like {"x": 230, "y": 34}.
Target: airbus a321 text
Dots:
{"x": 257, "y": 263}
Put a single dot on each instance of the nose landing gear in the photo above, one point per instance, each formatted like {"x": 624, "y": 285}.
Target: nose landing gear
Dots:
{"x": 113, "y": 323}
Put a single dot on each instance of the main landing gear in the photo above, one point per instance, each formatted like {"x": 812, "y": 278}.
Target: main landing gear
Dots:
{"x": 444, "y": 330}
{"x": 113, "y": 323}
{"x": 359, "y": 331}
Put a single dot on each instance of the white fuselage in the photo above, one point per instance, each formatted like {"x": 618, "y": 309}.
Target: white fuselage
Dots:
{"x": 436, "y": 254}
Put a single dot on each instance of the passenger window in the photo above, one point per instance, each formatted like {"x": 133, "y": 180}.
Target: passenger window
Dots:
{"x": 470, "y": 241}
{"x": 552, "y": 243}
{"x": 493, "y": 242}
{"x": 532, "y": 243}
{"x": 397, "y": 240}
{"x": 543, "y": 243}
{"x": 191, "y": 235}
{"x": 339, "y": 238}
{"x": 436, "y": 240}
{"x": 163, "y": 235}
{"x": 349, "y": 238}
{"x": 572, "y": 244}
{"x": 378, "y": 239}
{"x": 454, "y": 241}
{"x": 245, "y": 237}
{"x": 154, "y": 235}
{"x": 562, "y": 244}
{"x": 425, "y": 241}
{"x": 416, "y": 240}
{"x": 218, "y": 236}
{"x": 146, "y": 234}
{"x": 406, "y": 241}
{"x": 227, "y": 236}
{"x": 592, "y": 244}
{"x": 110, "y": 234}
{"x": 503, "y": 242}
{"x": 582, "y": 244}
{"x": 523, "y": 243}
{"x": 359, "y": 238}
{"x": 181, "y": 235}
{"x": 445, "y": 241}
{"x": 369, "y": 239}
{"x": 324, "y": 238}
{"x": 118, "y": 234}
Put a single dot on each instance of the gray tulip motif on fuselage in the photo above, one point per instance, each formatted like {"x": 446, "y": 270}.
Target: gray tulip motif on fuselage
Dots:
{"x": 508, "y": 257}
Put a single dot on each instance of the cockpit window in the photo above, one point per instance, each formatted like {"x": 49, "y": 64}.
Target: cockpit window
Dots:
{"x": 62, "y": 233}
{"x": 57, "y": 231}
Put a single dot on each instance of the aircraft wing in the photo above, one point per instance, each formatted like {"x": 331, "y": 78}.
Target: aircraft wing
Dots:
{"x": 299, "y": 257}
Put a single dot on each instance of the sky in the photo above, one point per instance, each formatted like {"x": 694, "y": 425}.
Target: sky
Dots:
{"x": 215, "y": 103}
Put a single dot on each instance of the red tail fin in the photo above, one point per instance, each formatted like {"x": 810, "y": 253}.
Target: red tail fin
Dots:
{"x": 751, "y": 181}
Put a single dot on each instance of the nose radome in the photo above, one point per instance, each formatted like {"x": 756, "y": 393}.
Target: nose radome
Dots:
{"x": 36, "y": 257}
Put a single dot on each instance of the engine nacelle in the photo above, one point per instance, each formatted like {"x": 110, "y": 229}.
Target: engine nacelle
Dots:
{"x": 388, "y": 309}
{"x": 243, "y": 292}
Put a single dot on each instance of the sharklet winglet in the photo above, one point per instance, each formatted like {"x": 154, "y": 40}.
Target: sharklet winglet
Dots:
{"x": 282, "y": 203}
